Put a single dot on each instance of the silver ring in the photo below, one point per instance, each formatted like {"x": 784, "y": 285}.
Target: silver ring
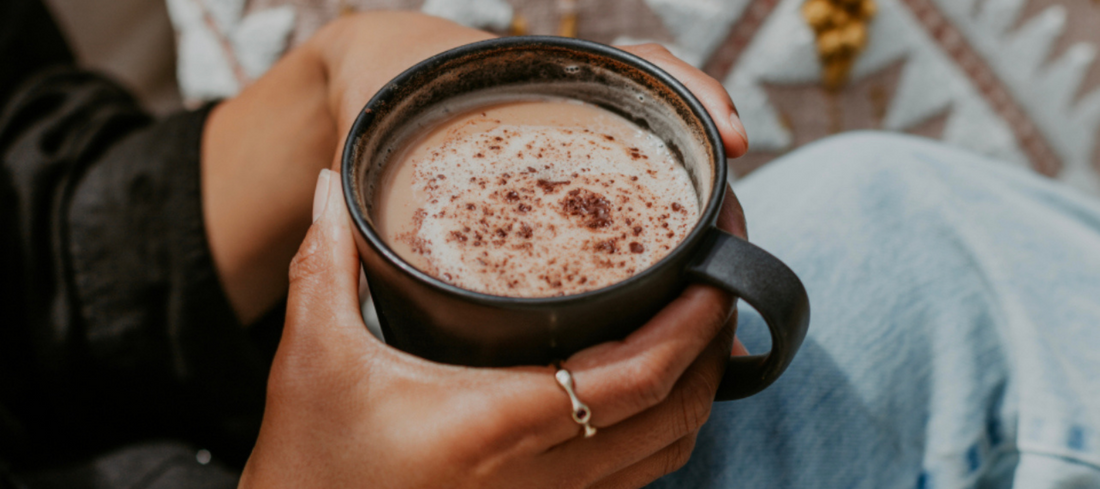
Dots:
{"x": 581, "y": 413}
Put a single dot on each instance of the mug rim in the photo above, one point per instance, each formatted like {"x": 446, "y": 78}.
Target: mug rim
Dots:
{"x": 706, "y": 219}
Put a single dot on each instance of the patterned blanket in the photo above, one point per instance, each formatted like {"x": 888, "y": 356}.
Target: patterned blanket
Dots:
{"x": 1013, "y": 79}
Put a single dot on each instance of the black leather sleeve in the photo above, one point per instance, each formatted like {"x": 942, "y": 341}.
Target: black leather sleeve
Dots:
{"x": 114, "y": 328}
{"x": 29, "y": 41}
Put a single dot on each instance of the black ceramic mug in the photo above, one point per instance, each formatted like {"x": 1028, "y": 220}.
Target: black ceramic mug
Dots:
{"x": 438, "y": 321}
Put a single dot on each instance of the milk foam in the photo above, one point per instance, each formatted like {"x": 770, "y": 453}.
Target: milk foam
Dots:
{"x": 537, "y": 199}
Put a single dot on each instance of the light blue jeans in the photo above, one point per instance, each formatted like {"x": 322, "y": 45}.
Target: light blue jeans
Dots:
{"x": 955, "y": 338}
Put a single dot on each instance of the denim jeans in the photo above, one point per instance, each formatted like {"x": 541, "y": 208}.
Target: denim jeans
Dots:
{"x": 955, "y": 337}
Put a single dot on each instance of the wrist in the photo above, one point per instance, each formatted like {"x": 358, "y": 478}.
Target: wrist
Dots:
{"x": 358, "y": 55}
{"x": 261, "y": 154}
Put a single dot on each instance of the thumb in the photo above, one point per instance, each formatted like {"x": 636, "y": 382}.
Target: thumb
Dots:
{"x": 323, "y": 301}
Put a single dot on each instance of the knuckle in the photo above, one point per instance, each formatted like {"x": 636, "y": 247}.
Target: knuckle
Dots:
{"x": 308, "y": 262}
{"x": 717, "y": 314}
{"x": 696, "y": 402}
{"x": 656, "y": 48}
{"x": 650, "y": 386}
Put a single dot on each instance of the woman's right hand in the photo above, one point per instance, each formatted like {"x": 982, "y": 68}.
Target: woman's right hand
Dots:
{"x": 345, "y": 410}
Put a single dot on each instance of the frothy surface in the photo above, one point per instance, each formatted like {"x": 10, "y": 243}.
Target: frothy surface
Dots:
{"x": 536, "y": 199}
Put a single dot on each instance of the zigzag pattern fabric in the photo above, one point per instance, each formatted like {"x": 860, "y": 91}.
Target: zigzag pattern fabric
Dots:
{"x": 1012, "y": 79}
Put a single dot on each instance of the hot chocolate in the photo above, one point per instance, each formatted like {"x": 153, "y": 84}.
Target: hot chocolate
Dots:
{"x": 535, "y": 199}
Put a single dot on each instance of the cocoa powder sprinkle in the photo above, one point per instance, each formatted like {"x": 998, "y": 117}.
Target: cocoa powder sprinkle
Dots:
{"x": 551, "y": 187}
{"x": 590, "y": 206}
{"x": 565, "y": 197}
{"x": 606, "y": 246}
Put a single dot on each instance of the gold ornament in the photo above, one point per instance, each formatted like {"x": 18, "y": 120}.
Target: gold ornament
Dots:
{"x": 567, "y": 25}
{"x": 840, "y": 27}
{"x": 519, "y": 25}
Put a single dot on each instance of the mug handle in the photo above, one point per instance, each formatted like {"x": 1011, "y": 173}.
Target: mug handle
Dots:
{"x": 739, "y": 267}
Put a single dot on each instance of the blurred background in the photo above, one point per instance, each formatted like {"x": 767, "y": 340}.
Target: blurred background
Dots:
{"x": 1013, "y": 79}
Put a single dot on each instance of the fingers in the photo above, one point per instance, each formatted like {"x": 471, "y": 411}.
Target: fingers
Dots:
{"x": 720, "y": 106}
{"x": 323, "y": 300}
{"x": 680, "y": 415}
{"x": 709, "y": 92}
{"x": 668, "y": 460}
{"x": 611, "y": 380}
{"x": 620, "y": 379}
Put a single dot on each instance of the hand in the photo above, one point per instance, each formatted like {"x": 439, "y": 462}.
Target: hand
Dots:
{"x": 709, "y": 91}
{"x": 345, "y": 410}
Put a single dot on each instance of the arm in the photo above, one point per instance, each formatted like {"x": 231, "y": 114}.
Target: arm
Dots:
{"x": 262, "y": 150}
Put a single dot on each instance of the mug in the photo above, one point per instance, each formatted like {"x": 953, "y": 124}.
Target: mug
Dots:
{"x": 441, "y": 322}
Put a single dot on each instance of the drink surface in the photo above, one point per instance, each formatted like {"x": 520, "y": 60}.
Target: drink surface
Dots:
{"x": 535, "y": 199}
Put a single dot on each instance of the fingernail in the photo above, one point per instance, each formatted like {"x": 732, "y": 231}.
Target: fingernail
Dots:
{"x": 320, "y": 194}
{"x": 735, "y": 121}
{"x": 335, "y": 192}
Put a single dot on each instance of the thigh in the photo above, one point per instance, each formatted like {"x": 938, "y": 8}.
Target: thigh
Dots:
{"x": 954, "y": 302}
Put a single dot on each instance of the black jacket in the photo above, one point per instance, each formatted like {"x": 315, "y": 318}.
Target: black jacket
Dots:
{"x": 119, "y": 354}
